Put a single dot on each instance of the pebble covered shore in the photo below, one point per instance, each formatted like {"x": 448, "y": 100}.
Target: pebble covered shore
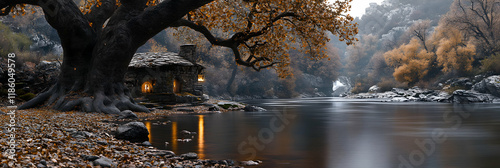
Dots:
{"x": 48, "y": 138}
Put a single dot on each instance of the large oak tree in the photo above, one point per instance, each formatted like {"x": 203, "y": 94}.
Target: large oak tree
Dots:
{"x": 100, "y": 38}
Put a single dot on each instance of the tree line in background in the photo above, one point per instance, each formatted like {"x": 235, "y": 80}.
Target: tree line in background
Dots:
{"x": 424, "y": 43}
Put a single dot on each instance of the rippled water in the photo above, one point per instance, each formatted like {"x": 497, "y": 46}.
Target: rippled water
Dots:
{"x": 335, "y": 132}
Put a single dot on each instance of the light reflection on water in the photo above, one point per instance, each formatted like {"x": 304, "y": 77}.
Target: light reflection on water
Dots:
{"x": 201, "y": 137}
{"x": 343, "y": 133}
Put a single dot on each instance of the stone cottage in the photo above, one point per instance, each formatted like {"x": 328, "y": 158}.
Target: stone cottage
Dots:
{"x": 166, "y": 77}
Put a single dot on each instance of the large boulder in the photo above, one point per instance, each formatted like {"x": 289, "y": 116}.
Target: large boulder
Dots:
{"x": 127, "y": 114}
{"x": 463, "y": 82}
{"x": 133, "y": 132}
{"x": 374, "y": 89}
{"x": 490, "y": 85}
{"x": 398, "y": 91}
{"x": 467, "y": 96}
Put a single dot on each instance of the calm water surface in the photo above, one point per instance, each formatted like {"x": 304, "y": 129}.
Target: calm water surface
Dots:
{"x": 335, "y": 132}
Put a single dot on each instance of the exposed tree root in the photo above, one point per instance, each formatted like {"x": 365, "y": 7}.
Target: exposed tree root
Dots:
{"x": 111, "y": 101}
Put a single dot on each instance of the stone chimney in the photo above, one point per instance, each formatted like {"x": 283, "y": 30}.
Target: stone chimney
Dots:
{"x": 188, "y": 52}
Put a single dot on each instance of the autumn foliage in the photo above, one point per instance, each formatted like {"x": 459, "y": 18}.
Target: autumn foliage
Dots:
{"x": 411, "y": 61}
{"x": 463, "y": 36}
{"x": 266, "y": 30}
{"x": 453, "y": 52}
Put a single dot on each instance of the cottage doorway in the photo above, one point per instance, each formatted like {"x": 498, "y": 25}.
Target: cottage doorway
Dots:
{"x": 177, "y": 86}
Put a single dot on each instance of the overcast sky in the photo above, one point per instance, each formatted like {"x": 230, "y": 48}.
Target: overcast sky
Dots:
{"x": 359, "y": 6}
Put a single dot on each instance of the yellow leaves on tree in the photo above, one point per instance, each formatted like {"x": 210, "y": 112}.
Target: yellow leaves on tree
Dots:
{"x": 18, "y": 10}
{"x": 155, "y": 47}
{"x": 279, "y": 26}
{"x": 454, "y": 54}
{"x": 411, "y": 62}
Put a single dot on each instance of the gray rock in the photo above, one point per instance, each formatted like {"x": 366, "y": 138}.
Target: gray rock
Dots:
{"x": 102, "y": 142}
{"x": 146, "y": 143}
{"x": 399, "y": 99}
{"x": 228, "y": 103}
{"x": 230, "y": 162}
{"x": 147, "y": 164}
{"x": 189, "y": 156}
{"x": 85, "y": 144}
{"x": 81, "y": 134}
{"x": 127, "y": 114}
{"x": 70, "y": 130}
{"x": 398, "y": 91}
{"x": 249, "y": 163}
{"x": 490, "y": 85}
{"x": 460, "y": 82}
{"x": 467, "y": 96}
{"x": 250, "y": 108}
{"x": 89, "y": 157}
{"x": 319, "y": 94}
{"x": 206, "y": 97}
{"x": 374, "y": 88}
{"x": 214, "y": 108}
{"x": 156, "y": 152}
{"x": 133, "y": 131}
{"x": 104, "y": 162}
{"x": 43, "y": 162}
{"x": 410, "y": 95}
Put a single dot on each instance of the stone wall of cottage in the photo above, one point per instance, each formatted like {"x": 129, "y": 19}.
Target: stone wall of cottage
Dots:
{"x": 162, "y": 79}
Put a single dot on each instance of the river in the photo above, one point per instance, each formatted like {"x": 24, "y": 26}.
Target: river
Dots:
{"x": 343, "y": 133}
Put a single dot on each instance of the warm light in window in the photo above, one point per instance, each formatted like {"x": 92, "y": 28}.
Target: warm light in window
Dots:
{"x": 177, "y": 86}
{"x": 147, "y": 87}
{"x": 201, "y": 78}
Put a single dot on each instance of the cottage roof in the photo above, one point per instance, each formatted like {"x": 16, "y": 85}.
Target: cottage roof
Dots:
{"x": 154, "y": 59}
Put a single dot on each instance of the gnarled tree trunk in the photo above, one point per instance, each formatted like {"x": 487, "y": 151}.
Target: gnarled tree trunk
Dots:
{"x": 96, "y": 55}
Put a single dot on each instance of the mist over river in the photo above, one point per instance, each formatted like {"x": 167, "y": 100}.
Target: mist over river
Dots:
{"x": 343, "y": 133}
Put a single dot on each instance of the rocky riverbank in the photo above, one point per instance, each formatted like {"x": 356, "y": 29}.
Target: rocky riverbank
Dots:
{"x": 486, "y": 90}
{"x": 47, "y": 138}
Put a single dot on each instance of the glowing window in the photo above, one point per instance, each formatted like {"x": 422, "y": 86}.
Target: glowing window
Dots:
{"x": 147, "y": 87}
{"x": 177, "y": 86}
{"x": 201, "y": 78}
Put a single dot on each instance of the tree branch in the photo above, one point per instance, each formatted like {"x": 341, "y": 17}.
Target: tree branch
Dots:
{"x": 204, "y": 30}
{"x": 99, "y": 14}
{"x": 239, "y": 38}
{"x": 154, "y": 19}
